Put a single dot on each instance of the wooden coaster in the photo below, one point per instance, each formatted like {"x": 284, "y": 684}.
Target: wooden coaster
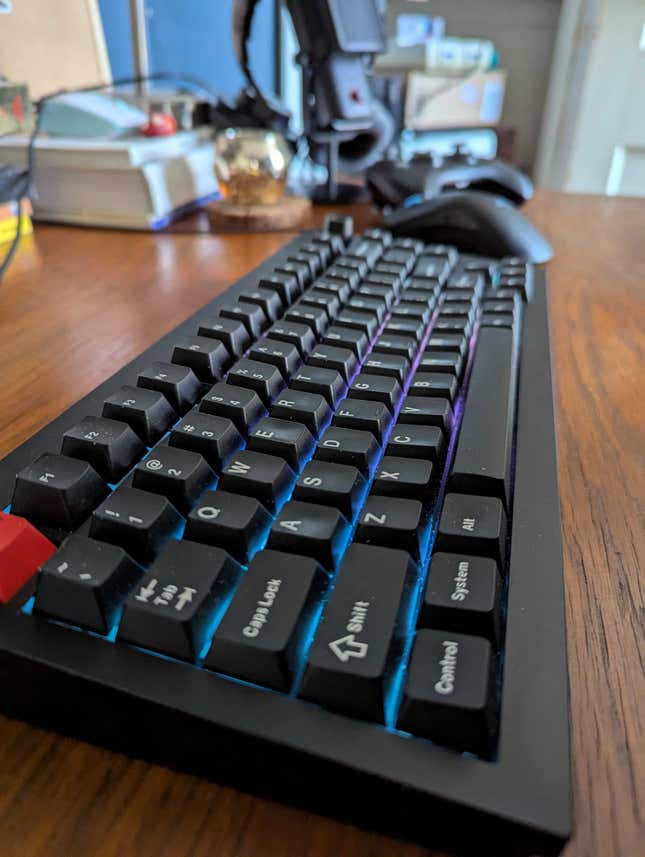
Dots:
{"x": 286, "y": 215}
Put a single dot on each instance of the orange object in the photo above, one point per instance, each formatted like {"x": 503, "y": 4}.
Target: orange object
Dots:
{"x": 160, "y": 125}
{"x": 23, "y": 549}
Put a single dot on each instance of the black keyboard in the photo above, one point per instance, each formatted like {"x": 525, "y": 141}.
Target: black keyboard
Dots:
{"x": 308, "y": 544}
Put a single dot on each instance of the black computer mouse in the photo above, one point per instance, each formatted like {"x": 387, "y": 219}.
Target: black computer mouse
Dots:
{"x": 475, "y": 222}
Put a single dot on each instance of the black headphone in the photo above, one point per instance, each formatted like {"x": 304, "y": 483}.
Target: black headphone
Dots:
{"x": 252, "y": 107}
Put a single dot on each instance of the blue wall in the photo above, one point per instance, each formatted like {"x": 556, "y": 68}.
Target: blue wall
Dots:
{"x": 192, "y": 37}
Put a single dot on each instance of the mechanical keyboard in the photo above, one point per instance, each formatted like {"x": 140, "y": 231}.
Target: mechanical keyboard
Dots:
{"x": 308, "y": 544}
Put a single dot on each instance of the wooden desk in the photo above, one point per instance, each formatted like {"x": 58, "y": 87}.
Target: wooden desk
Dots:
{"x": 78, "y": 304}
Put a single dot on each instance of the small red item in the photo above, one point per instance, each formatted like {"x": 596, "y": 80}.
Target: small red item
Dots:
{"x": 160, "y": 125}
{"x": 22, "y": 551}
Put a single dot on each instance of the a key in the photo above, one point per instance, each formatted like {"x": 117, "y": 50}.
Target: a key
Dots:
{"x": 377, "y": 290}
{"x": 320, "y": 252}
{"x": 501, "y": 320}
{"x": 457, "y": 310}
{"x": 291, "y": 441}
{"x": 281, "y": 354}
{"x": 449, "y": 691}
{"x": 441, "y": 361}
{"x": 258, "y": 475}
{"x": 329, "y": 239}
{"x": 390, "y": 274}
{"x": 23, "y": 549}
{"x": 467, "y": 280}
{"x": 339, "y": 273}
{"x": 410, "y": 478}
{"x": 314, "y": 317}
{"x": 409, "y": 244}
{"x": 350, "y": 662}
{"x": 262, "y": 378}
{"x": 383, "y": 236}
{"x": 427, "y": 411}
{"x": 471, "y": 524}
{"x": 425, "y": 286}
{"x": 296, "y": 334}
{"x": 434, "y": 384}
{"x": 447, "y": 342}
{"x": 147, "y": 412}
{"x": 373, "y": 306}
{"x": 337, "y": 289}
{"x": 321, "y": 300}
{"x": 208, "y": 358}
{"x": 412, "y": 312}
{"x": 215, "y": 438}
{"x": 371, "y": 416}
{"x": 233, "y": 522}
{"x": 482, "y": 463}
{"x": 347, "y": 337}
{"x": 364, "y": 248}
{"x": 238, "y": 404}
{"x": 174, "y": 606}
{"x": 85, "y": 582}
{"x": 310, "y": 409}
{"x": 377, "y": 388}
{"x": 421, "y": 297}
{"x": 390, "y": 365}
{"x": 57, "y": 493}
{"x": 412, "y": 441}
{"x": 310, "y": 530}
{"x": 433, "y": 267}
{"x": 251, "y": 316}
{"x": 346, "y": 446}
{"x": 447, "y": 250}
{"x": 352, "y": 263}
{"x": 298, "y": 269}
{"x": 340, "y": 224}
{"x": 311, "y": 262}
{"x": 404, "y": 327}
{"x": 139, "y": 522}
{"x": 328, "y": 383}
{"x": 267, "y": 299}
{"x": 390, "y": 521}
{"x": 261, "y": 634}
{"x": 458, "y": 326}
{"x": 463, "y": 594}
{"x": 400, "y": 256}
{"x": 404, "y": 346}
{"x": 358, "y": 320}
{"x": 177, "y": 474}
{"x": 179, "y": 384}
{"x": 343, "y": 360}
{"x": 111, "y": 447}
{"x": 336, "y": 485}
{"x": 232, "y": 333}
{"x": 285, "y": 285}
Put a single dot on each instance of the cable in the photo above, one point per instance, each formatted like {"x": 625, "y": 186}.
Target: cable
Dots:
{"x": 41, "y": 103}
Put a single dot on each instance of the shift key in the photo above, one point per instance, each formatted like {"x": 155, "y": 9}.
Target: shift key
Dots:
{"x": 358, "y": 638}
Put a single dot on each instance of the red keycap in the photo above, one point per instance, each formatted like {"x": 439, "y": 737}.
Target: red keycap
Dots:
{"x": 22, "y": 551}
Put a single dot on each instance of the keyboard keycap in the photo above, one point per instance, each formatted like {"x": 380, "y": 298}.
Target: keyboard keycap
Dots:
{"x": 179, "y": 384}
{"x": 285, "y": 285}
{"x": 173, "y": 608}
{"x": 111, "y": 447}
{"x": 427, "y": 411}
{"x": 147, "y": 412}
{"x": 448, "y": 693}
{"x": 85, "y": 582}
{"x": 260, "y": 637}
{"x": 375, "y": 307}
{"x": 434, "y": 384}
{"x": 393, "y": 521}
{"x": 337, "y": 289}
{"x": 177, "y": 474}
{"x": 208, "y": 358}
{"x": 299, "y": 335}
{"x": 482, "y": 462}
{"x": 233, "y": 334}
{"x": 291, "y": 441}
{"x": 328, "y": 383}
{"x": 321, "y": 299}
{"x": 343, "y": 360}
{"x": 471, "y": 524}
{"x": 441, "y": 361}
{"x": 215, "y": 438}
{"x": 233, "y": 522}
{"x": 404, "y": 327}
{"x": 255, "y": 474}
{"x": 358, "y": 320}
{"x": 267, "y": 299}
{"x": 463, "y": 594}
{"x": 404, "y": 346}
{"x": 391, "y": 365}
{"x": 357, "y": 641}
{"x": 376, "y": 388}
{"x": 57, "y": 492}
{"x": 410, "y": 478}
{"x": 448, "y": 342}
{"x": 411, "y": 441}
{"x": 310, "y": 530}
{"x": 374, "y": 417}
{"x": 346, "y": 446}
{"x": 336, "y": 485}
{"x": 347, "y": 337}
{"x": 314, "y": 317}
{"x": 281, "y": 354}
{"x": 241, "y": 406}
{"x": 310, "y": 409}
{"x": 252, "y": 317}
{"x": 262, "y": 378}
{"x": 139, "y": 522}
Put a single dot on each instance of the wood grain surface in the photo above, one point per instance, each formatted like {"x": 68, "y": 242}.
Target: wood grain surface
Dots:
{"x": 78, "y": 304}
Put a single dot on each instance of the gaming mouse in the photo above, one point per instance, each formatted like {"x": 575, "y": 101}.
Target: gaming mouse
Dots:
{"x": 475, "y": 222}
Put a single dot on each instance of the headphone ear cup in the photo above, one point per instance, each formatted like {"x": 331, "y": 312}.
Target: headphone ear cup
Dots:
{"x": 359, "y": 153}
